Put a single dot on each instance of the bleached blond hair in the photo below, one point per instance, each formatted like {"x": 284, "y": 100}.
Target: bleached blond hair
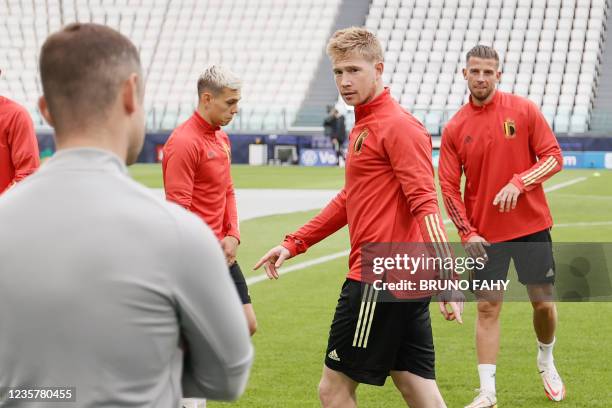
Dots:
{"x": 215, "y": 78}
{"x": 354, "y": 41}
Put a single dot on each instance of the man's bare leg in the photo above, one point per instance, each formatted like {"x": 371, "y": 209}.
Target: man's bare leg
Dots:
{"x": 249, "y": 312}
{"x": 545, "y": 324}
{"x": 544, "y": 312}
{"x": 418, "y": 392}
{"x": 487, "y": 346}
{"x": 488, "y": 331}
{"x": 336, "y": 390}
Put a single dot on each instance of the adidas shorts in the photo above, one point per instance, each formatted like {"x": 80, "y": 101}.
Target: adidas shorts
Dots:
{"x": 369, "y": 338}
{"x": 534, "y": 264}
{"x": 240, "y": 283}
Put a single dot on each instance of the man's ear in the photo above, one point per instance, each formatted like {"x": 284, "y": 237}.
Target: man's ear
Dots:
{"x": 464, "y": 70}
{"x": 130, "y": 93}
{"x": 205, "y": 98}
{"x": 380, "y": 68}
{"x": 44, "y": 110}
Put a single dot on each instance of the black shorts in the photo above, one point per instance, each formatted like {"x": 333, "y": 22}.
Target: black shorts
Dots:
{"x": 240, "y": 282}
{"x": 369, "y": 337}
{"x": 532, "y": 256}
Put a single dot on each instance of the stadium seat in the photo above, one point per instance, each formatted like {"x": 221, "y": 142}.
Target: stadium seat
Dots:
{"x": 550, "y": 51}
{"x": 167, "y": 38}
{"x": 545, "y": 49}
{"x": 561, "y": 123}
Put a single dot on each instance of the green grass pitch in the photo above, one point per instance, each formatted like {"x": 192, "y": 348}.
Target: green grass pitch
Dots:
{"x": 294, "y": 312}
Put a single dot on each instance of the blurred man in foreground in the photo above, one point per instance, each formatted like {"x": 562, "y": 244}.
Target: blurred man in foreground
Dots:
{"x": 102, "y": 285}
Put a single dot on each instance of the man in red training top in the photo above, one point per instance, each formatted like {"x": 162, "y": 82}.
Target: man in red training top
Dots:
{"x": 196, "y": 168}
{"x": 19, "y": 155}
{"x": 506, "y": 149}
{"x": 389, "y": 197}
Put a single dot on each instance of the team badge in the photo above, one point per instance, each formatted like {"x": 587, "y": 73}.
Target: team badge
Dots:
{"x": 359, "y": 141}
{"x": 509, "y": 129}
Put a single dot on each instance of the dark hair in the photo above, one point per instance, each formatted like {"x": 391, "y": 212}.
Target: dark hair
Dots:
{"x": 82, "y": 67}
{"x": 482, "y": 51}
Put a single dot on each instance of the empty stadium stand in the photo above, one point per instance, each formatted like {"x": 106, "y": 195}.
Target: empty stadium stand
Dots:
{"x": 274, "y": 45}
{"x": 601, "y": 116}
{"x": 322, "y": 90}
{"x": 551, "y": 52}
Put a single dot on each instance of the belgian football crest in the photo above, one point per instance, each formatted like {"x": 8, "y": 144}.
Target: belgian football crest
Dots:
{"x": 509, "y": 129}
{"x": 359, "y": 141}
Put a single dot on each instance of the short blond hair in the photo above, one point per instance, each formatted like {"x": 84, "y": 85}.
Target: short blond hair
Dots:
{"x": 354, "y": 40}
{"x": 215, "y": 78}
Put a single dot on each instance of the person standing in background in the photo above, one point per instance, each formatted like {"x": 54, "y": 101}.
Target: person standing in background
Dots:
{"x": 196, "y": 169}
{"x": 338, "y": 135}
{"x": 19, "y": 156}
{"x": 505, "y": 148}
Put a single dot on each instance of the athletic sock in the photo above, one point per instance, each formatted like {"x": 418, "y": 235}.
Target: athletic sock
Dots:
{"x": 487, "y": 377}
{"x": 545, "y": 353}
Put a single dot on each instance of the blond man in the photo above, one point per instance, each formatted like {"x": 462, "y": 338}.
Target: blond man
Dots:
{"x": 196, "y": 169}
{"x": 388, "y": 197}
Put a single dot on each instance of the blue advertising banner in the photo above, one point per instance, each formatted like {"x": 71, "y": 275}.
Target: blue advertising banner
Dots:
{"x": 436, "y": 158}
{"x": 571, "y": 159}
{"x": 587, "y": 160}
{"x": 578, "y": 152}
{"x": 318, "y": 157}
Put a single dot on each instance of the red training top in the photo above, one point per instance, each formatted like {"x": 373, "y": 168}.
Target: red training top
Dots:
{"x": 389, "y": 194}
{"x": 506, "y": 140}
{"x": 19, "y": 155}
{"x": 196, "y": 167}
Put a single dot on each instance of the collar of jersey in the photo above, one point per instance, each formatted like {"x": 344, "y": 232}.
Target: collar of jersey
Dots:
{"x": 491, "y": 104}
{"x": 86, "y": 158}
{"x": 375, "y": 104}
{"x": 204, "y": 125}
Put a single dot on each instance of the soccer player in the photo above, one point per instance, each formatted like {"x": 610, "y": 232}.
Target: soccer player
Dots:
{"x": 506, "y": 149}
{"x": 101, "y": 282}
{"x": 196, "y": 167}
{"x": 335, "y": 129}
{"x": 389, "y": 197}
{"x": 19, "y": 155}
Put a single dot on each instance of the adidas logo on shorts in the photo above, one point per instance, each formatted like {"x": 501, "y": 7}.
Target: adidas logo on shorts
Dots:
{"x": 550, "y": 273}
{"x": 333, "y": 355}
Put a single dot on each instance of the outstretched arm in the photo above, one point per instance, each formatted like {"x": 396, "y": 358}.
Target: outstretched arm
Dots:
{"x": 329, "y": 220}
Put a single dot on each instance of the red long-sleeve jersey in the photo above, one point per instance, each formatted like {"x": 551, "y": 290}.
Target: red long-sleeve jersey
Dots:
{"x": 196, "y": 168}
{"x": 19, "y": 155}
{"x": 389, "y": 194}
{"x": 506, "y": 140}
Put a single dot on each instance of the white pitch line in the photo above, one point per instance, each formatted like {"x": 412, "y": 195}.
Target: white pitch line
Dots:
{"x": 586, "y": 196}
{"x": 564, "y": 184}
{"x": 302, "y": 265}
{"x": 583, "y": 224}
